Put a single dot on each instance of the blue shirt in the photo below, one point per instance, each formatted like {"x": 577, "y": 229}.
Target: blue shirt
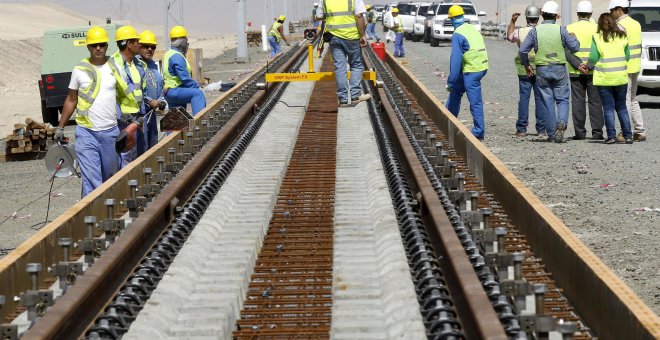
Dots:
{"x": 569, "y": 41}
{"x": 153, "y": 87}
{"x": 459, "y": 45}
{"x": 178, "y": 68}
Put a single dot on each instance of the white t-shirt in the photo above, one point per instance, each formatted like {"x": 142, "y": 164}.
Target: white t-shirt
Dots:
{"x": 103, "y": 113}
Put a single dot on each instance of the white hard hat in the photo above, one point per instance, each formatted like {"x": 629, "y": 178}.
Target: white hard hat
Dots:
{"x": 550, "y": 7}
{"x": 584, "y": 7}
{"x": 316, "y": 4}
{"x": 618, "y": 3}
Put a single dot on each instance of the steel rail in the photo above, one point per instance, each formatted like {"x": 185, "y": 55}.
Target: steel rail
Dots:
{"x": 77, "y": 309}
{"x": 473, "y": 307}
{"x": 603, "y": 300}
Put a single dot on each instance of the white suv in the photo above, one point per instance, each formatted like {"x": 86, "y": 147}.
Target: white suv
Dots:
{"x": 418, "y": 25}
{"x": 647, "y": 13}
{"x": 441, "y": 25}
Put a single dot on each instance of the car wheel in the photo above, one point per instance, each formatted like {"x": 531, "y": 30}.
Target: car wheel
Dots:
{"x": 435, "y": 42}
{"x": 50, "y": 115}
{"x": 408, "y": 36}
{"x": 415, "y": 38}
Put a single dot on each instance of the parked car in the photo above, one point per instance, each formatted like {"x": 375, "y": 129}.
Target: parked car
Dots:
{"x": 379, "y": 12}
{"x": 647, "y": 13}
{"x": 407, "y": 12}
{"x": 418, "y": 25}
{"x": 427, "y": 23}
{"x": 387, "y": 16}
{"x": 442, "y": 27}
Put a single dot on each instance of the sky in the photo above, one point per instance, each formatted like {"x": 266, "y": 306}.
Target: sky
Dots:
{"x": 219, "y": 16}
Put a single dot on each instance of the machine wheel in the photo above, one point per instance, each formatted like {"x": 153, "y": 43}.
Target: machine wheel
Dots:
{"x": 435, "y": 42}
{"x": 50, "y": 115}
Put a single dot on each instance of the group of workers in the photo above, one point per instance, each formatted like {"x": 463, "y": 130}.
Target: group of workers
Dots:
{"x": 109, "y": 93}
{"x": 601, "y": 60}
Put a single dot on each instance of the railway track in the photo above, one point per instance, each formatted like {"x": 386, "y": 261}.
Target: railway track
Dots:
{"x": 476, "y": 255}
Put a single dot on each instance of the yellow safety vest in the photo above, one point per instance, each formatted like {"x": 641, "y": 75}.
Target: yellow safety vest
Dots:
{"x": 476, "y": 58}
{"x": 611, "y": 68}
{"x": 551, "y": 48}
{"x": 87, "y": 96}
{"x": 340, "y": 19}
{"x": 274, "y": 32}
{"x": 129, "y": 96}
{"x": 522, "y": 34}
{"x": 171, "y": 81}
{"x": 398, "y": 21}
{"x": 584, "y": 31}
{"x": 634, "y": 33}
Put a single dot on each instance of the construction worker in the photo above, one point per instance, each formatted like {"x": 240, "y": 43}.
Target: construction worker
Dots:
{"x": 129, "y": 82}
{"x": 152, "y": 90}
{"x": 371, "y": 24}
{"x": 609, "y": 56}
{"x": 275, "y": 34}
{"x": 93, "y": 94}
{"x": 527, "y": 84}
{"x": 549, "y": 40}
{"x": 468, "y": 64}
{"x": 619, "y": 9}
{"x": 582, "y": 84}
{"x": 397, "y": 27}
{"x": 180, "y": 89}
{"x": 345, "y": 22}
{"x": 316, "y": 23}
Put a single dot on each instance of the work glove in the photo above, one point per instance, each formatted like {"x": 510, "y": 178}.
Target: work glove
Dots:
{"x": 59, "y": 134}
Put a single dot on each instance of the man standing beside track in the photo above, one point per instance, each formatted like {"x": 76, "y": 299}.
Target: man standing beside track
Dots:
{"x": 550, "y": 40}
{"x": 397, "y": 28}
{"x": 153, "y": 90}
{"x": 93, "y": 95}
{"x": 526, "y": 84}
{"x": 275, "y": 34}
{"x": 468, "y": 64}
{"x": 345, "y": 22}
{"x": 582, "y": 84}
{"x": 371, "y": 24}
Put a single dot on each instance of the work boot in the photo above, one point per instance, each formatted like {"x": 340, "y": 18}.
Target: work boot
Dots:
{"x": 542, "y": 136}
{"x": 521, "y": 134}
{"x": 620, "y": 138}
{"x": 639, "y": 137}
{"x": 361, "y": 98}
{"x": 559, "y": 135}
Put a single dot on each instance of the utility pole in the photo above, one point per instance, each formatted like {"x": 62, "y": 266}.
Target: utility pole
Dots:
{"x": 241, "y": 34}
{"x": 166, "y": 27}
{"x": 566, "y": 6}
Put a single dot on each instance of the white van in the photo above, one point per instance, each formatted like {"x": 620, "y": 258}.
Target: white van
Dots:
{"x": 442, "y": 27}
{"x": 647, "y": 13}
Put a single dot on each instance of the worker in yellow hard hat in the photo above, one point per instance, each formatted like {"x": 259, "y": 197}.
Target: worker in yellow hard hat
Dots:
{"x": 93, "y": 95}
{"x": 468, "y": 64}
{"x": 371, "y": 24}
{"x": 152, "y": 90}
{"x": 180, "y": 89}
{"x": 397, "y": 28}
{"x": 275, "y": 34}
{"x": 129, "y": 83}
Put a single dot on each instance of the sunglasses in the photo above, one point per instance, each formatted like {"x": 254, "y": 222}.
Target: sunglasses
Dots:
{"x": 148, "y": 47}
{"x": 102, "y": 45}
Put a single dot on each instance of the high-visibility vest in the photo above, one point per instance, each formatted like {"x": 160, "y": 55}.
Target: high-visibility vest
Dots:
{"x": 634, "y": 33}
{"x": 129, "y": 86}
{"x": 87, "y": 96}
{"x": 551, "y": 49}
{"x": 611, "y": 69}
{"x": 584, "y": 31}
{"x": 522, "y": 34}
{"x": 340, "y": 19}
{"x": 476, "y": 58}
{"x": 371, "y": 17}
{"x": 274, "y": 31}
{"x": 170, "y": 80}
{"x": 397, "y": 21}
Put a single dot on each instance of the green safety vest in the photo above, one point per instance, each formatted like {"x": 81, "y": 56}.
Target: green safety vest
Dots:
{"x": 634, "y": 33}
{"x": 584, "y": 31}
{"x": 522, "y": 34}
{"x": 129, "y": 100}
{"x": 87, "y": 96}
{"x": 340, "y": 19}
{"x": 551, "y": 49}
{"x": 171, "y": 81}
{"x": 397, "y": 21}
{"x": 611, "y": 69}
{"x": 476, "y": 58}
{"x": 274, "y": 32}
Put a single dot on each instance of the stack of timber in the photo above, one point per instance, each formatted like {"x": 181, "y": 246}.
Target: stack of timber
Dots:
{"x": 32, "y": 136}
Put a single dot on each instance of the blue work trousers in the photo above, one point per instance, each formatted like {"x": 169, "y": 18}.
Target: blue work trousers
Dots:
{"x": 613, "y": 99}
{"x": 181, "y": 96}
{"x": 150, "y": 133}
{"x": 470, "y": 83}
{"x": 371, "y": 32}
{"x": 525, "y": 87}
{"x": 97, "y": 156}
{"x": 342, "y": 51}
{"x": 398, "y": 45}
{"x": 553, "y": 85}
{"x": 275, "y": 47}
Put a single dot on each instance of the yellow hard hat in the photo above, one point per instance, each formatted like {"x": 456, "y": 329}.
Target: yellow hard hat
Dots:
{"x": 395, "y": 10}
{"x": 178, "y": 32}
{"x": 96, "y": 35}
{"x": 126, "y": 33}
{"x": 148, "y": 38}
{"x": 455, "y": 11}
{"x": 368, "y": 6}
{"x": 281, "y": 18}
